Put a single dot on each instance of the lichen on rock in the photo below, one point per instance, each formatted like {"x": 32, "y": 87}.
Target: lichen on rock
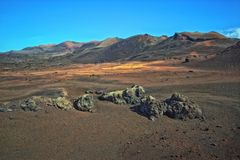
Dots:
{"x": 177, "y": 106}
{"x": 30, "y": 105}
{"x": 152, "y": 108}
{"x": 62, "y": 103}
{"x": 85, "y": 103}
{"x": 181, "y": 107}
{"x": 131, "y": 95}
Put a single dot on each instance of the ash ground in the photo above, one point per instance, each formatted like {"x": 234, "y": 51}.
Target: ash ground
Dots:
{"x": 117, "y": 131}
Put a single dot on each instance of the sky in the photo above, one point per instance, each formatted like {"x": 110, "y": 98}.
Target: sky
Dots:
{"x": 25, "y": 23}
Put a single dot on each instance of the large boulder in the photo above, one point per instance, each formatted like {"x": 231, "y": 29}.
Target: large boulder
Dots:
{"x": 131, "y": 95}
{"x": 62, "y": 103}
{"x": 177, "y": 106}
{"x": 181, "y": 107}
{"x": 152, "y": 108}
{"x": 85, "y": 103}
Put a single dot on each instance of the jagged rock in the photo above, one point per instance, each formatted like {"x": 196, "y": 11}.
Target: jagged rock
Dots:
{"x": 180, "y": 107}
{"x": 152, "y": 108}
{"x": 134, "y": 94}
{"x": 131, "y": 95}
{"x": 177, "y": 106}
{"x": 85, "y": 103}
{"x": 62, "y": 103}
{"x": 30, "y": 105}
{"x": 115, "y": 97}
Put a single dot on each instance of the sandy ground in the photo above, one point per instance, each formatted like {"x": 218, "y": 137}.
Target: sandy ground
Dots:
{"x": 117, "y": 131}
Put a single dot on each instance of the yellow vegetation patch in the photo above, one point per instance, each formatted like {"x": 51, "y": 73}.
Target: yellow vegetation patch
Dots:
{"x": 98, "y": 69}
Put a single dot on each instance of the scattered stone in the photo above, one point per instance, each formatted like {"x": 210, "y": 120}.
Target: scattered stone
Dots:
{"x": 62, "y": 103}
{"x": 99, "y": 92}
{"x": 131, "y": 95}
{"x": 163, "y": 138}
{"x": 218, "y": 126}
{"x": 89, "y": 92}
{"x": 180, "y": 107}
{"x": 129, "y": 142}
{"x": 5, "y": 110}
{"x": 213, "y": 144}
{"x": 205, "y": 129}
{"x": 85, "y": 103}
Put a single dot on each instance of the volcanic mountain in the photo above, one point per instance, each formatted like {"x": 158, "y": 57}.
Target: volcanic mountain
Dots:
{"x": 136, "y": 48}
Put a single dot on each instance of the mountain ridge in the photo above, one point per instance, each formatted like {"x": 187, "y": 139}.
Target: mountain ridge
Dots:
{"x": 140, "y": 47}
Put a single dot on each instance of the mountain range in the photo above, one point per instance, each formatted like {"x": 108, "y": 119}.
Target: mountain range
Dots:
{"x": 135, "y": 48}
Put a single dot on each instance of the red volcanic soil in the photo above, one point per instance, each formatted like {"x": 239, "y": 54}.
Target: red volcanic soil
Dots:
{"x": 117, "y": 131}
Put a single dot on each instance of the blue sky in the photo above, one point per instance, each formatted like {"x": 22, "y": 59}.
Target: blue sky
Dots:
{"x": 30, "y": 22}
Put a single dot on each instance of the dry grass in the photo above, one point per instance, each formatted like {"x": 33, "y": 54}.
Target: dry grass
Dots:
{"x": 97, "y": 69}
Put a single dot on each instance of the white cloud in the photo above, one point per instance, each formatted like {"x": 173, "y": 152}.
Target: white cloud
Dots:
{"x": 232, "y": 33}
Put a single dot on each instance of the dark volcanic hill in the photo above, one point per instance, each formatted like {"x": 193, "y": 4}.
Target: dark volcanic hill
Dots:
{"x": 139, "y": 47}
{"x": 147, "y": 47}
{"x": 227, "y": 59}
{"x": 121, "y": 50}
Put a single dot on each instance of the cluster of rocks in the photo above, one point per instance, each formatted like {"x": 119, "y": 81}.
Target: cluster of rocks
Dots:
{"x": 36, "y": 103}
{"x": 177, "y": 106}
